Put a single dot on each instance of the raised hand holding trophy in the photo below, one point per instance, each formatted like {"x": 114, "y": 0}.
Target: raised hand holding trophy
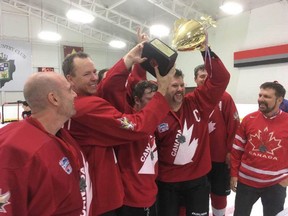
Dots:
{"x": 188, "y": 35}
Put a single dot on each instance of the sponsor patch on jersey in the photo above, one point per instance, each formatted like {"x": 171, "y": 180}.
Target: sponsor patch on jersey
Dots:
{"x": 65, "y": 164}
{"x": 126, "y": 123}
{"x": 163, "y": 127}
{"x": 4, "y": 200}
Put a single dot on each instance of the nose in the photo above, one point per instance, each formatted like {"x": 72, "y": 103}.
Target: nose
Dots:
{"x": 180, "y": 88}
{"x": 94, "y": 77}
{"x": 261, "y": 99}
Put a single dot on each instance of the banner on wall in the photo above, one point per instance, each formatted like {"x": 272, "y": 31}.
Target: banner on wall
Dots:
{"x": 45, "y": 69}
{"x": 261, "y": 56}
{"x": 15, "y": 64}
{"x": 68, "y": 50}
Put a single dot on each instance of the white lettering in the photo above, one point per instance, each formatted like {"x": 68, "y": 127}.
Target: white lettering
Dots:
{"x": 176, "y": 144}
{"x": 145, "y": 153}
{"x": 196, "y": 115}
{"x": 199, "y": 214}
{"x": 83, "y": 193}
{"x": 259, "y": 154}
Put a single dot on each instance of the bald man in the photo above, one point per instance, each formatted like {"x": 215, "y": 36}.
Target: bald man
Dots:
{"x": 42, "y": 169}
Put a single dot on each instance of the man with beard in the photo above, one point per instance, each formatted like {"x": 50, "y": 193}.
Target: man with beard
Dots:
{"x": 259, "y": 164}
{"x": 183, "y": 142}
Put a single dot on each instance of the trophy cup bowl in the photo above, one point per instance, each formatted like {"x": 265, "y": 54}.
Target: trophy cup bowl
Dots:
{"x": 190, "y": 34}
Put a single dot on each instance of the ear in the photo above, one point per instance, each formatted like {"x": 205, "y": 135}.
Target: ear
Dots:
{"x": 137, "y": 100}
{"x": 53, "y": 98}
{"x": 69, "y": 79}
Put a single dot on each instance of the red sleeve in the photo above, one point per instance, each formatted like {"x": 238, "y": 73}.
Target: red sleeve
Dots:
{"x": 137, "y": 74}
{"x": 231, "y": 118}
{"x": 108, "y": 127}
{"x": 208, "y": 95}
{"x": 112, "y": 88}
{"x": 238, "y": 149}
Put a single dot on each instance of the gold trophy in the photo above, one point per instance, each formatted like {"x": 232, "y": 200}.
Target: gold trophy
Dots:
{"x": 191, "y": 34}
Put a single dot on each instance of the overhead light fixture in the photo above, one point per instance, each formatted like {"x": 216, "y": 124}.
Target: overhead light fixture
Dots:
{"x": 78, "y": 16}
{"x": 49, "y": 36}
{"x": 159, "y": 30}
{"x": 117, "y": 44}
{"x": 231, "y": 7}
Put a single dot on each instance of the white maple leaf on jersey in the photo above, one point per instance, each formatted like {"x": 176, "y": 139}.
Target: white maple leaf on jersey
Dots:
{"x": 186, "y": 149}
{"x": 211, "y": 126}
{"x": 149, "y": 164}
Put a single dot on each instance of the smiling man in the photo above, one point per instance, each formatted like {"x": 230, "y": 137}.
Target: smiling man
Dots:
{"x": 182, "y": 139}
{"x": 98, "y": 126}
{"x": 259, "y": 164}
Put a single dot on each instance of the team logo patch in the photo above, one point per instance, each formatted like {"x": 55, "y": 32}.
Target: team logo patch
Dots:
{"x": 163, "y": 127}
{"x": 7, "y": 68}
{"x": 126, "y": 124}
{"x": 65, "y": 164}
{"x": 236, "y": 116}
{"x": 4, "y": 200}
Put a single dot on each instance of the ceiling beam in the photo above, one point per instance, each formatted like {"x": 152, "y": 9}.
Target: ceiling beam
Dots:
{"x": 109, "y": 14}
{"x": 178, "y": 8}
{"x": 116, "y": 4}
{"x": 64, "y": 22}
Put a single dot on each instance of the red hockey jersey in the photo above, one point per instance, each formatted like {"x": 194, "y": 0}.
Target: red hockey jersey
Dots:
{"x": 38, "y": 175}
{"x": 260, "y": 150}
{"x": 182, "y": 137}
{"x": 138, "y": 160}
{"x": 223, "y": 124}
{"x": 98, "y": 127}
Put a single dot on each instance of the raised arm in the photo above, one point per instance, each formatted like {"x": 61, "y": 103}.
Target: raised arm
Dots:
{"x": 209, "y": 94}
{"x": 108, "y": 127}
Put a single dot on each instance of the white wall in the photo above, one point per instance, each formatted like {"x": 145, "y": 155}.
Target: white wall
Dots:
{"x": 263, "y": 27}
{"x": 266, "y": 26}
{"x": 16, "y": 25}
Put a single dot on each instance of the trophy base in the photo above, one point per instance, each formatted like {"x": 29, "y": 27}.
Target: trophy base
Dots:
{"x": 158, "y": 53}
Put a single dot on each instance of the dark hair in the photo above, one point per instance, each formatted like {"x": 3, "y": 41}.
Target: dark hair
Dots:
{"x": 178, "y": 73}
{"x": 197, "y": 69}
{"x": 101, "y": 73}
{"x": 279, "y": 89}
{"x": 25, "y": 103}
{"x": 141, "y": 86}
{"x": 68, "y": 66}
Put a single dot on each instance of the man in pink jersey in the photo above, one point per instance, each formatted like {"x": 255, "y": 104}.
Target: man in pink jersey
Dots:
{"x": 42, "y": 169}
{"x": 259, "y": 165}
